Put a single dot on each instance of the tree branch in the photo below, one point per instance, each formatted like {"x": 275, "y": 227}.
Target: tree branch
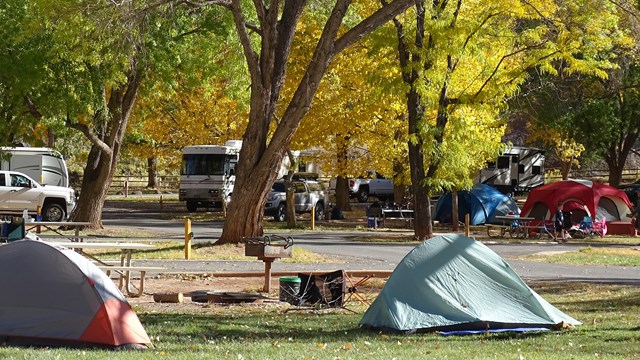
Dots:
{"x": 252, "y": 57}
{"x": 377, "y": 19}
{"x": 89, "y": 134}
{"x": 495, "y": 70}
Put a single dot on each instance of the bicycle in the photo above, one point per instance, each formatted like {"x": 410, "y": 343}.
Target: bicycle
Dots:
{"x": 515, "y": 230}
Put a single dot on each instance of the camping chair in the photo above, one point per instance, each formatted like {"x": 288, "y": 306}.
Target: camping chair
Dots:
{"x": 600, "y": 227}
{"x": 543, "y": 228}
{"x": 352, "y": 290}
{"x": 330, "y": 290}
{"x": 586, "y": 225}
{"x": 591, "y": 228}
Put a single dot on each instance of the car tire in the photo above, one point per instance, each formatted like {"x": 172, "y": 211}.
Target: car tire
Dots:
{"x": 362, "y": 195}
{"x": 53, "y": 212}
{"x": 192, "y": 206}
{"x": 319, "y": 211}
{"x": 281, "y": 213}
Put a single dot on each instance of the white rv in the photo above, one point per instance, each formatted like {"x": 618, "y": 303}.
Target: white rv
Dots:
{"x": 207, "y": 174}
{"x": 517, "y": 170}
{"x": 47, "y": 166}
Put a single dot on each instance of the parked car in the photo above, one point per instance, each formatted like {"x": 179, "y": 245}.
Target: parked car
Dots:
{"x": 308, "y": 195}
{"x": 19, "y": 192}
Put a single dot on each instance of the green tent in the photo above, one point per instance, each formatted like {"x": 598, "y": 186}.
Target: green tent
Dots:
{"x": 452, "y": 283}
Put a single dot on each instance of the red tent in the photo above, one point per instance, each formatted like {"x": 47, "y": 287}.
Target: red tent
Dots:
{"x": 600, "y": 200}
{"x": 55, "y": 296}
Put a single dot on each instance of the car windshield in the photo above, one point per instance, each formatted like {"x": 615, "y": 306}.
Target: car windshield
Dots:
{"x": 278, "y": 187}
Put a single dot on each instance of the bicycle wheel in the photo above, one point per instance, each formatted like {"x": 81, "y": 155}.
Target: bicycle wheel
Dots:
{"x": 515, "y": 231}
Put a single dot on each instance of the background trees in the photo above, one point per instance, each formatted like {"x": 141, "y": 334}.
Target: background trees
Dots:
{"x": 267, "y": 58}
{"x": 172, "y": 74}
{"x": 463, "y": 60}
{"x": 92, "y": 63}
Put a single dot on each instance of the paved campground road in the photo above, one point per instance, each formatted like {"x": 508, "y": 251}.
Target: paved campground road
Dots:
{"x": 351, "y": 253}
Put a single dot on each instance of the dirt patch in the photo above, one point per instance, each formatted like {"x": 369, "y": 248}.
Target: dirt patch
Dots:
{"x": 187, "y": 284}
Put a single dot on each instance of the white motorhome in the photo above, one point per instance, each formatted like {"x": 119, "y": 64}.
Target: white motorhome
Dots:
{"x": 45, "y": 165}
{"x": 517, "y": 170}
{"x": 207, "y": 174}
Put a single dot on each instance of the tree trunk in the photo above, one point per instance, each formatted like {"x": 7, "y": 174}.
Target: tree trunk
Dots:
{"x": 152, "y": 172}
{"x": 565, "y": 168}
{"x": 342, "y": 193}
{"x": 109, "y": 127}
{"x": 290, "y": 200}
{"x": 95, "y": 184}
{"x": 342, "y": 183}
{"x": 423, "y": 228}
{"x": 454, "y": 210}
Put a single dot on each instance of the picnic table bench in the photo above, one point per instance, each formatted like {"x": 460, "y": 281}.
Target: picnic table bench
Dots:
{"x": 398, "y": 214}
{"x": 123, "y": 268}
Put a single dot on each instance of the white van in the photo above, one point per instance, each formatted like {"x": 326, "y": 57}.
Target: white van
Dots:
{"x": 46, "y": 166}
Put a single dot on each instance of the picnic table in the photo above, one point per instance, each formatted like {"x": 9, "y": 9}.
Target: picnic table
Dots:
{"x": 515, "y": 225}
{"x": 123, "y": 268}
{"x": 54, "y": 226}
{"x": 395, "y": 214}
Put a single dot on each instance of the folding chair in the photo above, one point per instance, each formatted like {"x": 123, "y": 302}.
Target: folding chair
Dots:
{"x": 333, "y": 289}
{"x": 600, "y": 227}
{"x": 352, "y": 290}
{"x": 586, "y": 225}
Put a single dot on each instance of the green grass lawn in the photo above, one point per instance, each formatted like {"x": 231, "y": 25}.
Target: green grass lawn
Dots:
{"x": 610, "y": 330}
{"x": 591, "y": 256}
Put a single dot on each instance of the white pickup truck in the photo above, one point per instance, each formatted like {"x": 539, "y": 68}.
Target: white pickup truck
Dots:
{"x": 19, "y": 192}
{"x": 361, "y": 188}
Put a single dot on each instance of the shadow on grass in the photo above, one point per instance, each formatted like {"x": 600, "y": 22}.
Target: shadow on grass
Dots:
{"x": 305, "y": 327}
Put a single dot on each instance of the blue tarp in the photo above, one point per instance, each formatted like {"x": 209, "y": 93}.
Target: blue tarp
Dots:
{"x": 482, "y": 202}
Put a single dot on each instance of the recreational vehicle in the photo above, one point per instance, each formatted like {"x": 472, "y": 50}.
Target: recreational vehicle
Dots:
{"x": 208, "y": 174}
{"x": 47, "y": 166}
{"x": 517, "y": 170}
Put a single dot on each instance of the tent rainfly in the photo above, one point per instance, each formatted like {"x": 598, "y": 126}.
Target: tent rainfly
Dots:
{"x": 483, "y": 203}
{"x": 601, "y": 200}
{"x": 454, "y": 284}
{"x": 54, "y": 296}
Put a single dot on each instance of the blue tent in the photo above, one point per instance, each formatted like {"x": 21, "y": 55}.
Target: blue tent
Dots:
{"x": 482, "y": 202}
{"x": 454, "y": 284}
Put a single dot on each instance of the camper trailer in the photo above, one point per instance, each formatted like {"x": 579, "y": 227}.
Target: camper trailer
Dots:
{"x": 47, "y": 166}
{"x": 517, "y": 170}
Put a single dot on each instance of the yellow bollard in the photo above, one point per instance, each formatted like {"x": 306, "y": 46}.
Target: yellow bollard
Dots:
{"x": 313, "y": 218}
{"x": 187, "y": 239}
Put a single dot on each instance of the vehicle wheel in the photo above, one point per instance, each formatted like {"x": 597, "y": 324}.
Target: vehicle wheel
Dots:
{"x": 53, "y": 212}
{"x": 319, "y": 211}
{"x": 192, "y": 206}
{"x": 281, "y": 213}
{"x": 362, "y": 195}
